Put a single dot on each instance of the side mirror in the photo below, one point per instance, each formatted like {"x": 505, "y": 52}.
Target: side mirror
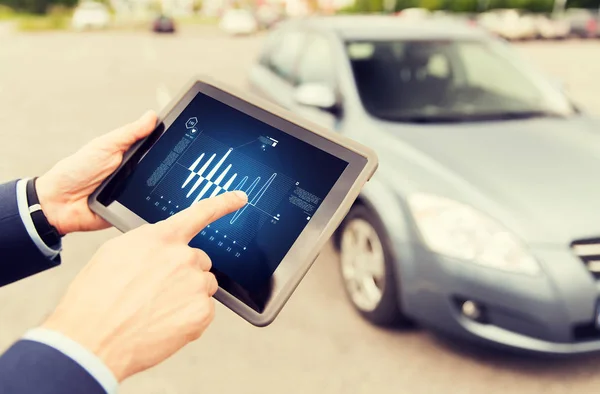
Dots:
{"x": 316, "y": 95}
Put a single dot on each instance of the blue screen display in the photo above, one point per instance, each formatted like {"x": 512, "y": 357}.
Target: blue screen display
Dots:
{"x": 212, "y": 148}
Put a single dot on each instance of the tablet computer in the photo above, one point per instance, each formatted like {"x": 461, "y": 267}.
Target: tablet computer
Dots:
{"x": 300, "y": 179}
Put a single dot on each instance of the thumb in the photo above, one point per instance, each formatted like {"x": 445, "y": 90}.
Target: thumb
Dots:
{"x": 122, "y": 138}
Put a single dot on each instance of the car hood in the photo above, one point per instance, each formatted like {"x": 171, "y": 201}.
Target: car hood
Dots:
{"x": 539, "y": 177}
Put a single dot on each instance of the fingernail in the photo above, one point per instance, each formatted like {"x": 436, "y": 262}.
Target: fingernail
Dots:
{"x": 241, "y": 195}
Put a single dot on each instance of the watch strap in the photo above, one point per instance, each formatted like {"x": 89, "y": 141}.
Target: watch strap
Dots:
{"x": 48, "y": 233}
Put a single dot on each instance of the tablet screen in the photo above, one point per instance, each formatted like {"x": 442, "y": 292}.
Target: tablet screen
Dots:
{"x": 212, "y": 148}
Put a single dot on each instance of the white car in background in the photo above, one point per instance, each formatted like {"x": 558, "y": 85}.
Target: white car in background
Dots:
{"x": 510, "y": 24}
{"x": 90, "y": 15}
{"x": 551, "y": 28}
{"x": 414, "y": 13}
{"x": 238, "y": 22}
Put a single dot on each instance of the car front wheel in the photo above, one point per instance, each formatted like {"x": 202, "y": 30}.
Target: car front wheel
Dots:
{"x": 367, "y": 270}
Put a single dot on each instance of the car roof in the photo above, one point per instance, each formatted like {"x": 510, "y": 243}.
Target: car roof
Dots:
{"x": 376, "y": 27}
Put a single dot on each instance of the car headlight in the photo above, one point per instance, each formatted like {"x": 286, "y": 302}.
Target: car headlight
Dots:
{"x": 457, "y": 230}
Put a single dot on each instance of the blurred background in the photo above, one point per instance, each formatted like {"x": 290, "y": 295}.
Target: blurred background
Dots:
{"x": 470, "y": 262}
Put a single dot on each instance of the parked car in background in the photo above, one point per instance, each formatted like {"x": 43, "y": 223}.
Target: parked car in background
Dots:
{"x": 510, "y": 24}
{"x": 268, "y": 15}
{"x": 464, "y": 18}
{"x": 238, "y": 22}
{"x": 583, "y": 23}
{"x": 90, "y": 15}
{"x": 414, "y": 13}
{"x": 163, "y": 24}
{"x": 551, "y": 27}
{"x": 483, "y": 220}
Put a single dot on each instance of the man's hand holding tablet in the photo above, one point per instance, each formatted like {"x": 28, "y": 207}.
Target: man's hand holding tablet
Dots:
{"x": 147, "y": 303}
{"x": 300, "y": 180}
{"x": 225, "y": 187}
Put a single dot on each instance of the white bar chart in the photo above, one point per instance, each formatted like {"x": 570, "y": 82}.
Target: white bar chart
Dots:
{"x": 223, "y": 182}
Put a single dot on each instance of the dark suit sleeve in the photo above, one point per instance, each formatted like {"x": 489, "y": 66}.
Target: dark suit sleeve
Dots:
{"x": 30, "y": 367}
{"x": 19, "y": 256}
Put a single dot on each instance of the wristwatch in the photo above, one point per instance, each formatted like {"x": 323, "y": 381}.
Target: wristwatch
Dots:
{"x": 47, "y": 232}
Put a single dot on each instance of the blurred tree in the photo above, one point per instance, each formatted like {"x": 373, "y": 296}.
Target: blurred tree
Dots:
{"x": 459, "y": 5}
{"x": 197, "y": 6}
{"x": 36, "y": 6}
{"x": 463, "y": 5}
{"x": 432, "y": 4}
{"x": 531, "y": 5}
{"x": 541, "y": 5}
{"x": 583, "y": 3}
{"x": 402, "y": 4}
{"x": 366, "y": 6}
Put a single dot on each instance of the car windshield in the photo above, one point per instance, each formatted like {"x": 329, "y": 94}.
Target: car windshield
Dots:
{"x": 429, "y": 81}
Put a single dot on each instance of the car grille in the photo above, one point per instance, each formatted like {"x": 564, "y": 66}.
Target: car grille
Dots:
{"x": 589, "y": 252}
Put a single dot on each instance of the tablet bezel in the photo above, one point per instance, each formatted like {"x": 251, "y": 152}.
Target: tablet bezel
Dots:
{"x": 362, "y": 163}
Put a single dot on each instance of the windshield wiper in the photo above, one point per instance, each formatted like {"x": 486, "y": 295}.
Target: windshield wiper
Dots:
{"x": 472, "y": 117}
{"x": 422, "y": 118}
{"x": 522, "y": 115}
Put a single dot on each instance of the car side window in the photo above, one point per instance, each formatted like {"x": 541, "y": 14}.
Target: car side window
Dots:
{"x": 284, "y": 54}
{"x": 317, "y": 64}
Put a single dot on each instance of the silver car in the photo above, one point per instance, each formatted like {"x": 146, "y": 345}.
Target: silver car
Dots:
{"x": 483, "y": 221}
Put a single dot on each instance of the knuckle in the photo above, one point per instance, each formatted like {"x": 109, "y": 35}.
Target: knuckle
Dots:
{"x": 187, "y": 256}
{"x": 211, "y": 283}
{"x": 206, "y": 312}
{"x": 203, "y": 259}
{"x": 203, "y": 315}
{"x": 195, "y": 334}
{"x": 201, "y": 283}
{"x": 195, "y": 330}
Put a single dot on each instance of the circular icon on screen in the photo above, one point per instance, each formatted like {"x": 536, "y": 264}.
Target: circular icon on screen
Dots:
{"x": 191, "y": 122}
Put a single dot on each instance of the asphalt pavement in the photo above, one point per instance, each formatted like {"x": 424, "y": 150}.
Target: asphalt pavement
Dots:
{"x": 59, "y": 90}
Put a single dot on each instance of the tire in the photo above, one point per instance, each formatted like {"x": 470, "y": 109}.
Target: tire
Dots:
{"x": 367, "y": 268}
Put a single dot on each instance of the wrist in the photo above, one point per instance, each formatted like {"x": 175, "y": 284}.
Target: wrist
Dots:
{"x": 49, "y": 202}
{"x": 114, "y": 357}
{"x": 88, "y": 361}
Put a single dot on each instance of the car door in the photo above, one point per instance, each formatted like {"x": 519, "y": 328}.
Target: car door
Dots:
{"x": 316, "y": 66}
{"x": 274, "y": 76}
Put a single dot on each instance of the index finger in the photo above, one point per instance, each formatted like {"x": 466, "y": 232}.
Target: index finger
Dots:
{"x": 189, "y": 222}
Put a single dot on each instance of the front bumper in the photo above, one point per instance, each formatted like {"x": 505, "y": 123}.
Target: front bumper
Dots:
{"x": 550, "y": 313}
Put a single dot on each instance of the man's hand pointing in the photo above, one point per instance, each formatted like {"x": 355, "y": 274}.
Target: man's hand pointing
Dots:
{"x": 145, "y": 294}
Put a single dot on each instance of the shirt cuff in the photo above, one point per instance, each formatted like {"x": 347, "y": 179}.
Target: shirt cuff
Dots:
{"x": 86, "y": 359}
{"x": 23, "y": 206}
